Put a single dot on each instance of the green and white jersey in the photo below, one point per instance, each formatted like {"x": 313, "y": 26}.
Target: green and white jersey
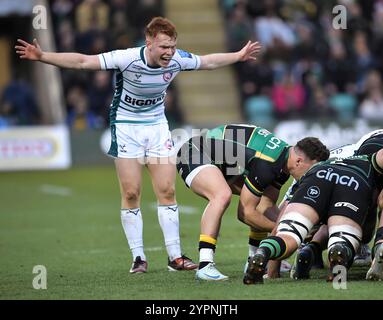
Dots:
{"x": 140, "y": 89}
{"x": 265, "y": 155}
{"x": 262, "y": 142}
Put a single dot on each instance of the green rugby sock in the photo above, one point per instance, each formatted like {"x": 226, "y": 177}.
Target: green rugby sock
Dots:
{"x": 275, "y": 247}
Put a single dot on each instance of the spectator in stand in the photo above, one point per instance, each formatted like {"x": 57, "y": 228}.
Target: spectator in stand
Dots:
{"x": 319, "y": 106}
{"x": 66, "y": 36}
{"x": 92, "y": 23}
{"x": 122, "y": 34}
{"x": 61, "y": 11}
{"x": 364, "y": 61}
{"x": 140, "y": 13}
{"x": 256, "y": 78}
{"x": 18, "y": 104}
{"x": 276, "y": 35}
{"x": 340, "y": 70}
{"x": 288, "y": 96}
{"x": 377, "y": 28}
{"x": 239, "y": 27}
{"x": 99, "y": 93}
{"x": 371, "y": 107}
{"x": 172, "y": 110}
{"x": 92, "y": 15}
{"x": 79, "y": 116}
{"x": 7, "y": 117}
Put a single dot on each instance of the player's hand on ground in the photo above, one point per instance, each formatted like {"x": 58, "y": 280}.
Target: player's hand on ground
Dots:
{"x": 28, "y": 51}
{"x": 249, "y": 51}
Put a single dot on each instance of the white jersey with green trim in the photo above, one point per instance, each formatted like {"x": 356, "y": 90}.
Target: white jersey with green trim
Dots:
{"x": 140, "y": 89}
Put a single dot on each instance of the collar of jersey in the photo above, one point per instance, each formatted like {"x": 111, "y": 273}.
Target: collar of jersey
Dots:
{"x": 142, "y": 55}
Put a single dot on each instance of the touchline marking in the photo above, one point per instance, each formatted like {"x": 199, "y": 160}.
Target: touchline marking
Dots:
{"x": 56, "y": 190}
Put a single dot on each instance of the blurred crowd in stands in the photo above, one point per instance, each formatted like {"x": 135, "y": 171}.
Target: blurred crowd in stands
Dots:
{"x": 307, "y": 69}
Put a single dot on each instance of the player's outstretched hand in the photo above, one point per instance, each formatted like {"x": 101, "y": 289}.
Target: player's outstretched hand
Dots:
{"x": 28, "y": 51}
{"x": 249, "y": 51}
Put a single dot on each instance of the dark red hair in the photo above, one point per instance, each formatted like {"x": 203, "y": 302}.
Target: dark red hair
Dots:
{"x": 160, "y": 25}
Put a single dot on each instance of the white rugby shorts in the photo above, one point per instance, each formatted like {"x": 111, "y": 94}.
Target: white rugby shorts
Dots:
{"x": 141, "y": 141}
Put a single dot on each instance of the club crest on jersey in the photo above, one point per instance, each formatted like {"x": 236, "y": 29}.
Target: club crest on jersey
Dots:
{"x": 167, "y": 76}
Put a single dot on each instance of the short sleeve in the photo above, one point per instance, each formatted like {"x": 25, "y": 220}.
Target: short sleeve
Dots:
{"x": 187, "y": 60}
{"x": 260, "y": 176}
{"x": 112, "y": 60}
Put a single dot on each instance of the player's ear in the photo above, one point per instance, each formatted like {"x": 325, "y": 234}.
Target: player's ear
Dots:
{"x": 300, "y": 160}
{"x": 148, "y": 42}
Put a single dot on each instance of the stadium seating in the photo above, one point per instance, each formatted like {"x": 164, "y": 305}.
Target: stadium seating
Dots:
{"x": 345, "y": 106}
{"x": 259, "y": 110}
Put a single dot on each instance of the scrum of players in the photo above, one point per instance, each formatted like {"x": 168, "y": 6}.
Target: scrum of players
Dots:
{"x": 334, "y": 201}
{"x": 335, "y": 204}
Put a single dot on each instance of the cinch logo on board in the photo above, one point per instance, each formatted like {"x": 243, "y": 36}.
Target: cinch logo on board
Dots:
{"x": 331, "y": 176}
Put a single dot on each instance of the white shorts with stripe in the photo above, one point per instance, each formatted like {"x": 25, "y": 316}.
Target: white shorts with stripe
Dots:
{"x": 141, "y": 141}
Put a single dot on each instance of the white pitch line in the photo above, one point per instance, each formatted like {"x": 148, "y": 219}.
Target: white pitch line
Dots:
{"x": 56, "y": 190}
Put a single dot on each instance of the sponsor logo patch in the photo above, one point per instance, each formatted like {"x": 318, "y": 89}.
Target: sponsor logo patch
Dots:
{"x": 336, "y": 178}
{"x": 184, "y": 54}
{"x": 313, "y": 192}
{"x": 348, "y": 205}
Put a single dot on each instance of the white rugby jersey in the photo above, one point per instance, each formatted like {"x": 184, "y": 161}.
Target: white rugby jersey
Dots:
{"x": 349, "y": 150}
{"x": 140, "y": 90}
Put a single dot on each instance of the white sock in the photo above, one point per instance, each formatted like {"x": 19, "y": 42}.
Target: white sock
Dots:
{"x": 252, "y": 250}
{"x": 131, "y": 220}
{"x": 206, "y": 255}
{"x": 169, "y": 222}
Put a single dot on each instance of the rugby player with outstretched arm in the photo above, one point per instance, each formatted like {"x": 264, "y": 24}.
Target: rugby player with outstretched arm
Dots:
{"x": 139, "y": 128}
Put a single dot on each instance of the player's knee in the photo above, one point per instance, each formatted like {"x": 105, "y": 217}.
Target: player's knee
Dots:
{"x": 346, "y": 234}
{"x": 222, "y": 198}
{"x": 131, "y": 195}
{"x": 167, "y": 194}
{"x": 295, "y": 225}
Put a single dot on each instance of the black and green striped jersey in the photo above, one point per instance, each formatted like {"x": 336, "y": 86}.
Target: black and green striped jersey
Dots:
{"x": 258, "y": 155}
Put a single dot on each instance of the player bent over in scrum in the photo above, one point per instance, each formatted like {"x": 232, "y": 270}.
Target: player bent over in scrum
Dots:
{"x": 337, "y": 192}
{"x": 311, "y": 254}
{"x": 245, "y": 160}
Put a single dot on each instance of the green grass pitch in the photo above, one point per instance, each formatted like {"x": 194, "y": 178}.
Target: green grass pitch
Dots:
{"x": 69, "y": 221}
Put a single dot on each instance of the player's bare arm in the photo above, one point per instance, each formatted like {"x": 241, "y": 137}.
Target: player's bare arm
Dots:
{"x": 380, "y": 200}
{"x": 69, "y": 60}
{"x": 248, "y": 213}
{"x": 379, "y": 158}
{"x": 217, "y": 60}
